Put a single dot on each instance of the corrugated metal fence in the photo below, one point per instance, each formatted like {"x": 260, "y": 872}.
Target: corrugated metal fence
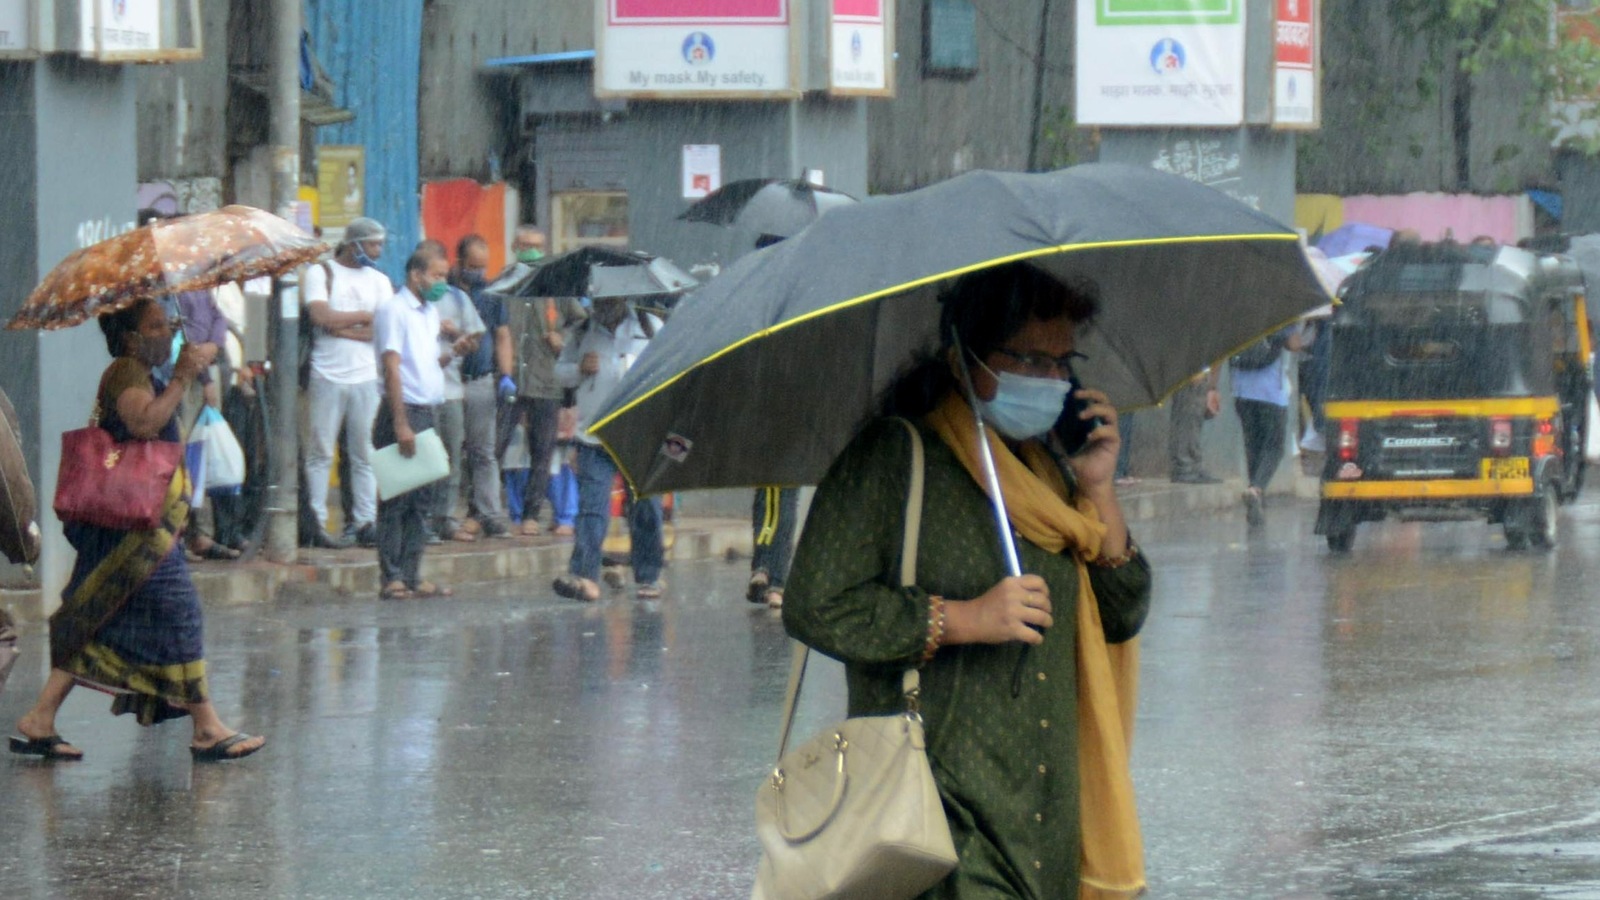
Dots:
{"x": 373, "y": 52}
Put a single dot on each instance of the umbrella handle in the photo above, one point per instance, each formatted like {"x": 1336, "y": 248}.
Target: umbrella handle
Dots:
{"x": 1008, "y": 544}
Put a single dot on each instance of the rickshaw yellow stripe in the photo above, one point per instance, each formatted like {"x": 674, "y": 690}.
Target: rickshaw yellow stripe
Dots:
{"x": 1443, "y": 489}
{"x": 1382, "y": 409}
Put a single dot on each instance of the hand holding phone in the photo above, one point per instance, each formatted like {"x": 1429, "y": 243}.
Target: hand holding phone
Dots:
{"x": 1071, "y": 430}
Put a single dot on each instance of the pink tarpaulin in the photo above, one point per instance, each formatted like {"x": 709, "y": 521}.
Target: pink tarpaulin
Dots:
{"x": 666, "y": 12}
{"x": 1507, "y": 219}
{"x": 871, "y": 10}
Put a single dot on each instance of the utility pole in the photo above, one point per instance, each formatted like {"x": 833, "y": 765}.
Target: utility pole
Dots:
{"x": 282, "y": 538}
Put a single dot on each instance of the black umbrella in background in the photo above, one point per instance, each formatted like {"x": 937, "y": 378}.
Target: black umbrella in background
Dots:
{"x": 765, "y": 373}
{"x": 768, "y": 206}
{"x": 598, "y": 272}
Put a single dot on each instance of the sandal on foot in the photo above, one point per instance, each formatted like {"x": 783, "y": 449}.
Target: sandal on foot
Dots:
{"x": 218, "y": 752}
{"x": 395, "y": 590}
{"x": 759, "y": 579}
{"x": 428, "y": 590}
{"x": 46, "y": 747}
{"x": 651, "y": 591}
{"x": 574, "y": 588}
{"x": 774, "y": 597}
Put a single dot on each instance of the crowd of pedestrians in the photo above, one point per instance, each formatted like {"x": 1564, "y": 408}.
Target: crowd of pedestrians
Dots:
{"x": 508, "y": 383}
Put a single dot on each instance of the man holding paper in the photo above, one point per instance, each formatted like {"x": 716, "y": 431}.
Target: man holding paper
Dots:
{"x": 406, "y": 331}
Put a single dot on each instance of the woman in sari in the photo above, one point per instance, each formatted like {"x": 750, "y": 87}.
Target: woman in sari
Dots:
{"x": 1027, "y": 683}
{"x": 130, "y": 620}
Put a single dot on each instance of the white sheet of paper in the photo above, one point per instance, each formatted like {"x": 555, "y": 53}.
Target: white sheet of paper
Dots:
{"x": 396, "y": 474}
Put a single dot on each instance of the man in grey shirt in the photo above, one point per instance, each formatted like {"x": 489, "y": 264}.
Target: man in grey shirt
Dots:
{"x": 539, "y": 326}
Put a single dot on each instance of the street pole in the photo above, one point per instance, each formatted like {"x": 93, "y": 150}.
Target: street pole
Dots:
{"x": 282, "y": 538}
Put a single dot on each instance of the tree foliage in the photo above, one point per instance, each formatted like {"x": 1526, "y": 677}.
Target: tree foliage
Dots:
{"x": 1555, "y": 44}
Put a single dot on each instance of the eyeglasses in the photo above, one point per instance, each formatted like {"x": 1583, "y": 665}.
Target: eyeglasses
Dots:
{"x": 1041, "y": 365}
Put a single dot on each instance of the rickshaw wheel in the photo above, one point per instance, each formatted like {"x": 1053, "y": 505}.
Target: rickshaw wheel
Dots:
{"x": 1341, "y": 538}
{"x": 1546, "y": 518}
{"x": 1534, "y": 522}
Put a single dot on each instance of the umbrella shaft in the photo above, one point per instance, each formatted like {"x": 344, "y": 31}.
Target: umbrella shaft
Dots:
{"x": 1008, "y": 544}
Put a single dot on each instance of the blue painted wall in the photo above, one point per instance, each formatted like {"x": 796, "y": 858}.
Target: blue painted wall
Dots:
{"x": 373, "y": 52}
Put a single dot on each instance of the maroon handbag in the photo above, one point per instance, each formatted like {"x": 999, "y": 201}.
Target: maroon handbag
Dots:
{"x": 112, "y": 485}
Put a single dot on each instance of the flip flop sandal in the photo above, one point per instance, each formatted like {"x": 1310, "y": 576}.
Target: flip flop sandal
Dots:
{"x": 574, "y": 588}
{"x": 218, "y": 752}
{"x": 428, "y": 590}
{"x": 215, "y": 550}
{"x": 395, "y": 591}
{"x": 44, "y": 747}
{"x": 759, "y": 579}
{"x": 774, "y": 597}
{"x": 651, "y": 591}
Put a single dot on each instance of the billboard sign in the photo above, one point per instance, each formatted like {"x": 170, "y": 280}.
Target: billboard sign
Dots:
{"x": 341, "y": 183}
{"x": 1160, "y": 62}
{"x": 861, "y": 48}
{"x": 135, "y": 31}
{"x": 16, "y": 29}
{"x": 121, "y": 29}
{"x": 1296, "y": 81}
{"x": 669, "y": 49}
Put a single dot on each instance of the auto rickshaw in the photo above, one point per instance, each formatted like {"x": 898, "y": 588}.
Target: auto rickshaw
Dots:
{"x": 1458, "y": 387}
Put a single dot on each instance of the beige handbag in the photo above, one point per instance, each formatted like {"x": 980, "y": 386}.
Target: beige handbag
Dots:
{"x": 854, "y": 812}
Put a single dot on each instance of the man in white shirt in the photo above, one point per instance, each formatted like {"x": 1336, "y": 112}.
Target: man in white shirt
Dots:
{"x": 461, "y": 329}
{"x": 341, "y": 299}
{"x": 603, "y": 349}
{"x": 407, "y": 334}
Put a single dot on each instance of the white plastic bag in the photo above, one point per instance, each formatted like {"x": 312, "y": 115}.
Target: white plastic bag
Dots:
{"x": 1591, "y": 452}
{"x": 224, "y": 468}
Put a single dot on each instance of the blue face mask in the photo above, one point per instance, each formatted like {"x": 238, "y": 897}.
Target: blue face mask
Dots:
{"x": 362, "y": 259}
{"x": 1024, "y": 407}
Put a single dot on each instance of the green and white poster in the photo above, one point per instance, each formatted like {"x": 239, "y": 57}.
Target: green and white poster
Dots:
{"x": 1160, "y": 62}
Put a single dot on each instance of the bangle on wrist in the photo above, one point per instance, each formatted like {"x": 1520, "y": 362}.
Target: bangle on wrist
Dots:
{"x": 935, "y": 628}
{"x": 1117, "y": 562}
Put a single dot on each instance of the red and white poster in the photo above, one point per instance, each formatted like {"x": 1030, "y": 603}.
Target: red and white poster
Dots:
{"x": 861, "y": 48}
{"x": 667, "y": 49}
{"x": 1296, "y": 81}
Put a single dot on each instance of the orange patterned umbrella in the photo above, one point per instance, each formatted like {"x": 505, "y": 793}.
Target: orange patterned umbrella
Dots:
{"x": 190, "y": 253}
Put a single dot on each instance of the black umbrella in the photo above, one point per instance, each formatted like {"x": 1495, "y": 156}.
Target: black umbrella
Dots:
{"x": 597, "y": 272}
{"x": 779, "y": 207}
{"x": 766, "y": 372}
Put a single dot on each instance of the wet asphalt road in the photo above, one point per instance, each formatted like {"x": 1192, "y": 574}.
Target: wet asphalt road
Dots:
{"x": 1420, "y": 719}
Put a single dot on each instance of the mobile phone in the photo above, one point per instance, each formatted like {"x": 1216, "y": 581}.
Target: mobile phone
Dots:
{"x": 1072, "y": 431}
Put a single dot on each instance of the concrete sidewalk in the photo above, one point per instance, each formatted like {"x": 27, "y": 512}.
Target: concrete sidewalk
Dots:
{"x": 354, "y": 572}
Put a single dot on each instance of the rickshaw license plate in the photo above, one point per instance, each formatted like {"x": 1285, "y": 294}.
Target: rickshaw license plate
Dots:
{"x": 1509, "y": 467}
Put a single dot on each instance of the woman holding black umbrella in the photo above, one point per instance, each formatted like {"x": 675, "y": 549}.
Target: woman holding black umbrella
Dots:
{"x": 1027, "y": 682}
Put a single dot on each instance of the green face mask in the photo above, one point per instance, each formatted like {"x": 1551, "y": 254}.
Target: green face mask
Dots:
{"x": 530, "y": 255}
{"x": 436, "y": 292}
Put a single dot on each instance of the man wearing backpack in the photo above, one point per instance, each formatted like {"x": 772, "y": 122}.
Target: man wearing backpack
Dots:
{"x": 1261, "y": 398}
{"x": 342, "y": 391}
{"x": 603, "y": 348}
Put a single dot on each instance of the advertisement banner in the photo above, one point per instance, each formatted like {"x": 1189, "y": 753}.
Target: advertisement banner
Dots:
{"x": 16, "y": 28}
{"x": 1160, "y": 62}
{"x": 670, "y": 49}
{"x": 860, "y": 48}
{"x": 121, "y": 29}
{"x": 1296, "y": 81}
{"x": 341, "y": 183}
{"x": 702, "y": 170}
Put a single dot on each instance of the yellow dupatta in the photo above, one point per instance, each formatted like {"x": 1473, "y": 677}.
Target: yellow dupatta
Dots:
{"x": 1035, "y": 492}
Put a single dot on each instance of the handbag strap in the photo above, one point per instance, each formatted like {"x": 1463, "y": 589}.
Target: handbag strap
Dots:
{"x": 911, "y": 682}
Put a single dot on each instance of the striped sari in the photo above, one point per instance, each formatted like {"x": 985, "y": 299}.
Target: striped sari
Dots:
{"x": 130, "y": 622}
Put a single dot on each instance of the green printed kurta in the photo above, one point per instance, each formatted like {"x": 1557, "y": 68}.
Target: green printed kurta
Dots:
{"x": 1007, "y": 766}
